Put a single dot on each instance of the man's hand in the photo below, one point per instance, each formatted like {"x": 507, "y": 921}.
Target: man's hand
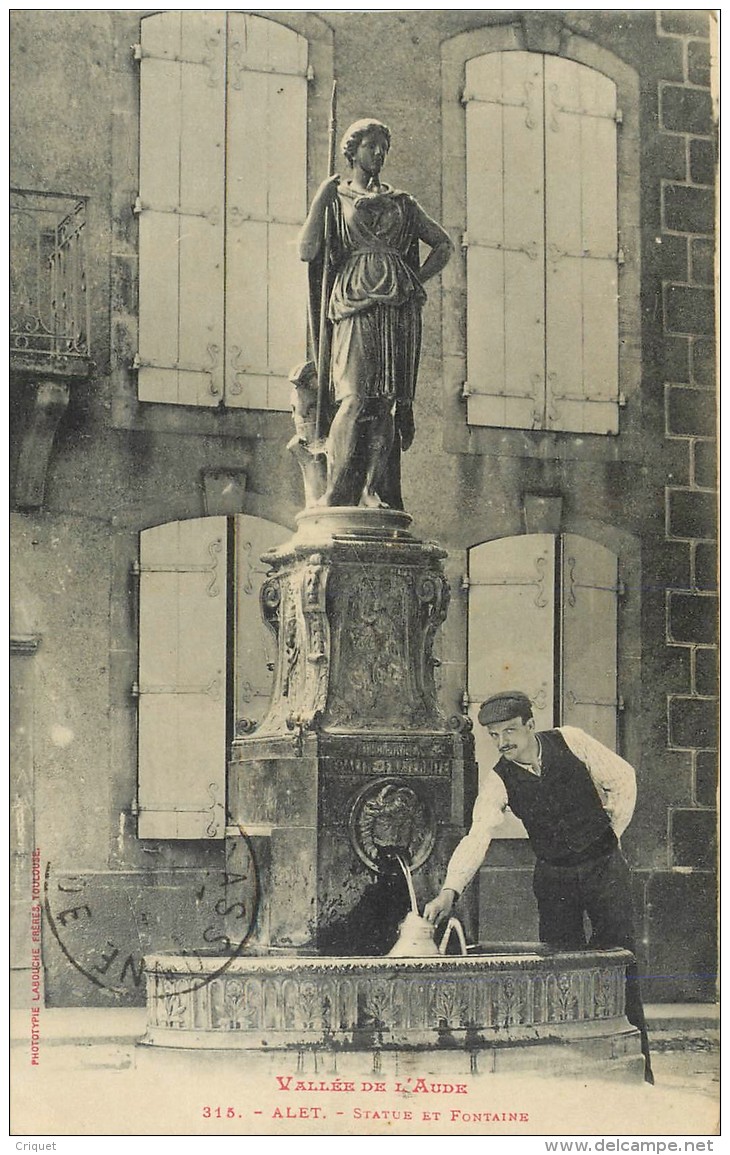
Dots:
{"x": 440, "y": 907}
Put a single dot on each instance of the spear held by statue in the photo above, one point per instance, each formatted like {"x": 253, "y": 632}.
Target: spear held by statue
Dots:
{"x": 323, "y": 341}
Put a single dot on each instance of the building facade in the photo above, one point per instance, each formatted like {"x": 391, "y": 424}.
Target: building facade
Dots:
{"x": 565, "y": 453}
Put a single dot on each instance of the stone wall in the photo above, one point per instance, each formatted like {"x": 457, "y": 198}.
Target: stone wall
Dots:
{"x": 687, "y": 270}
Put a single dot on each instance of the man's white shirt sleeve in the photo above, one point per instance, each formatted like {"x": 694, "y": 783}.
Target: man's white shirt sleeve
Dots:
{"x": 469, "y": 854}
{"x": 613, "y": 777}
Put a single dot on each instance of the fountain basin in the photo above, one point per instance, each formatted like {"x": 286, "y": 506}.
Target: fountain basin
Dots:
{"x": 497, "y": 996}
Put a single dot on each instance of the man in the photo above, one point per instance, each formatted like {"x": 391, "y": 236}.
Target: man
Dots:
{"x": 575, "y": 798}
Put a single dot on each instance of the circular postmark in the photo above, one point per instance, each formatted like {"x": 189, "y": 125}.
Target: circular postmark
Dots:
{"x": 391, "y": 814}
{"x": 107, "y": 924}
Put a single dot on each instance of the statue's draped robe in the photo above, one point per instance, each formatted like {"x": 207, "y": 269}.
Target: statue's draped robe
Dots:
{"x": 375, "y": 301}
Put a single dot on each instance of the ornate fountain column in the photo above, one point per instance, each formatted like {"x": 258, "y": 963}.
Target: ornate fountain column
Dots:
{"x": 355, "y": 754}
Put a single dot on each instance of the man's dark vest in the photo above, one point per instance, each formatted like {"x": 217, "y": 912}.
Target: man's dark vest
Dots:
{"x": 561, "y": 809}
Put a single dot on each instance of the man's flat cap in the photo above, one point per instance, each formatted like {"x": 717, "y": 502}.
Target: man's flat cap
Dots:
{"x": 502, "y": 707}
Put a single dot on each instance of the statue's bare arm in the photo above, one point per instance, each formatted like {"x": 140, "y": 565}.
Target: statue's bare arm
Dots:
{"x": 310, "y": 238}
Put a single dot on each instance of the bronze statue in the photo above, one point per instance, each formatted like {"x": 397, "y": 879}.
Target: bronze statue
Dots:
{"x": 374, "y": 309}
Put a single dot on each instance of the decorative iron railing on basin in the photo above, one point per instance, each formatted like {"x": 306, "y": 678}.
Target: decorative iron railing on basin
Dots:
{"x": 49, "y": 299}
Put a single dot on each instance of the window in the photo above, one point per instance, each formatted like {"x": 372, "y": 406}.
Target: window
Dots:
{"x": 204, "y": 656}
{"x": 543, "y": 618}
{"x": 222, "y": 195}
{"x": 542, "y": 251}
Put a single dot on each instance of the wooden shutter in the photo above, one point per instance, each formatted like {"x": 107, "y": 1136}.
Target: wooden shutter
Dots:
{"x": 505, "y": 243}
{"x": 542, "y": 244}
{"x": 589, "y": 604}
{"x": 582, "y": 248}
{"x": 182, "y": 679}
{"x": 223, "y": 172}
{"x": 255, "y": 648}
{"x": 266, "y": 321}
{"x": 511, "y": 634}
{"x": 181, "y": 208}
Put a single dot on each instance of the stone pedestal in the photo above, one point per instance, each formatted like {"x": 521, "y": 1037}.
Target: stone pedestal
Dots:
{"x": 355, "y": 754}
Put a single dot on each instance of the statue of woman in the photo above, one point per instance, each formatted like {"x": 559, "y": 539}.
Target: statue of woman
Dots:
{"x": 375, "y": 311}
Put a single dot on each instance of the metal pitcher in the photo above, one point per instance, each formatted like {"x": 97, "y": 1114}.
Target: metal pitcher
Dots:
{"x": 416, "y": 938}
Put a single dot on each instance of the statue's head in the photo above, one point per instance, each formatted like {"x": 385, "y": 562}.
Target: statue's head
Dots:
{"x": 357, "y": 132}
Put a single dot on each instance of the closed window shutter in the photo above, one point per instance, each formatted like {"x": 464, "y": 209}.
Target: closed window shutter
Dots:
{"x": 542, "y": 608}
{"x": 511, "y": 634}
{"x": 266, "y": 321}
{"x": 542, "y": 244}
{"x": 181, "y": 208}
{"x": 589, "y": 607}
{"x": 182, "y": 679}
{"x": 505, "y": 240}
{"x": 255, "y": 648}
{"x": 582, "y": 249}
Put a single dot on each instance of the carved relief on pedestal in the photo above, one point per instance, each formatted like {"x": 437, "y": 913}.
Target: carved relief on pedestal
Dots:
{"x": 317, "y": 631}
{"x": 433, "y": 594}
{"x": 355, "y": 618}
{"x": 383, "y": 646}
{"x": 389, "y": 814}
{"x": 373, "y": 682}
{"x": 290, "y": 643}
{"x": 293, "y": 604}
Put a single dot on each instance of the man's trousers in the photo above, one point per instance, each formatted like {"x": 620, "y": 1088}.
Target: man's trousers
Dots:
{"x": 600, "y": 888}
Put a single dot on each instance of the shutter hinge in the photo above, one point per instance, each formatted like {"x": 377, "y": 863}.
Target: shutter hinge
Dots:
{"x": 137, "y": 51}
{"x": 137, "y": 207}
{"x": 621, "y": 257}
{"x": 136, "y": 568}
{"x": 620, "y": 704}
{"x": 465, "y": 96}
{"x": 134, "y": 807}
{"x": 620, "y": 588}
{"x": 619, "y": 116}
{"x": 622, "y": 401}
{"x": 310, "y": 73}
{"x": 464, "y": 701}
{"x": 464, "y": 240}
{"x": 135, "y": 692}
{"x": 136, "y": 363}
{"x": 465, "y": 391}
{"x": 464, "y": 583}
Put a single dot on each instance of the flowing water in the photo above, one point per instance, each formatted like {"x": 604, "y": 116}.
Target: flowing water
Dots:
{"x": 409, "y": 881}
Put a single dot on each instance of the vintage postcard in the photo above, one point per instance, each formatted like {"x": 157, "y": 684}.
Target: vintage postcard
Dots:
{"x": 364, "y": 701}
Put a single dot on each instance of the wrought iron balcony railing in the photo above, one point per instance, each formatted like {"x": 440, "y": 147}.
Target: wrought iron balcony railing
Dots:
{"x": 49, "y": 301}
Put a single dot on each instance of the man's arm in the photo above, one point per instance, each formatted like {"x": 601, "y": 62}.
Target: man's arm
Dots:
{"x": 469, "y": 854}
{"x": 613, "y": 777}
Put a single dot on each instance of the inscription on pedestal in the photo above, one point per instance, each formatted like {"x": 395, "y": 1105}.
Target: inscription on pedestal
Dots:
{"x": 423, "y": 768}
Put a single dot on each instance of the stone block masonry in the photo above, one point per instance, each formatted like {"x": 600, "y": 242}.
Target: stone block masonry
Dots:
{"x": 688, "y": 213}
